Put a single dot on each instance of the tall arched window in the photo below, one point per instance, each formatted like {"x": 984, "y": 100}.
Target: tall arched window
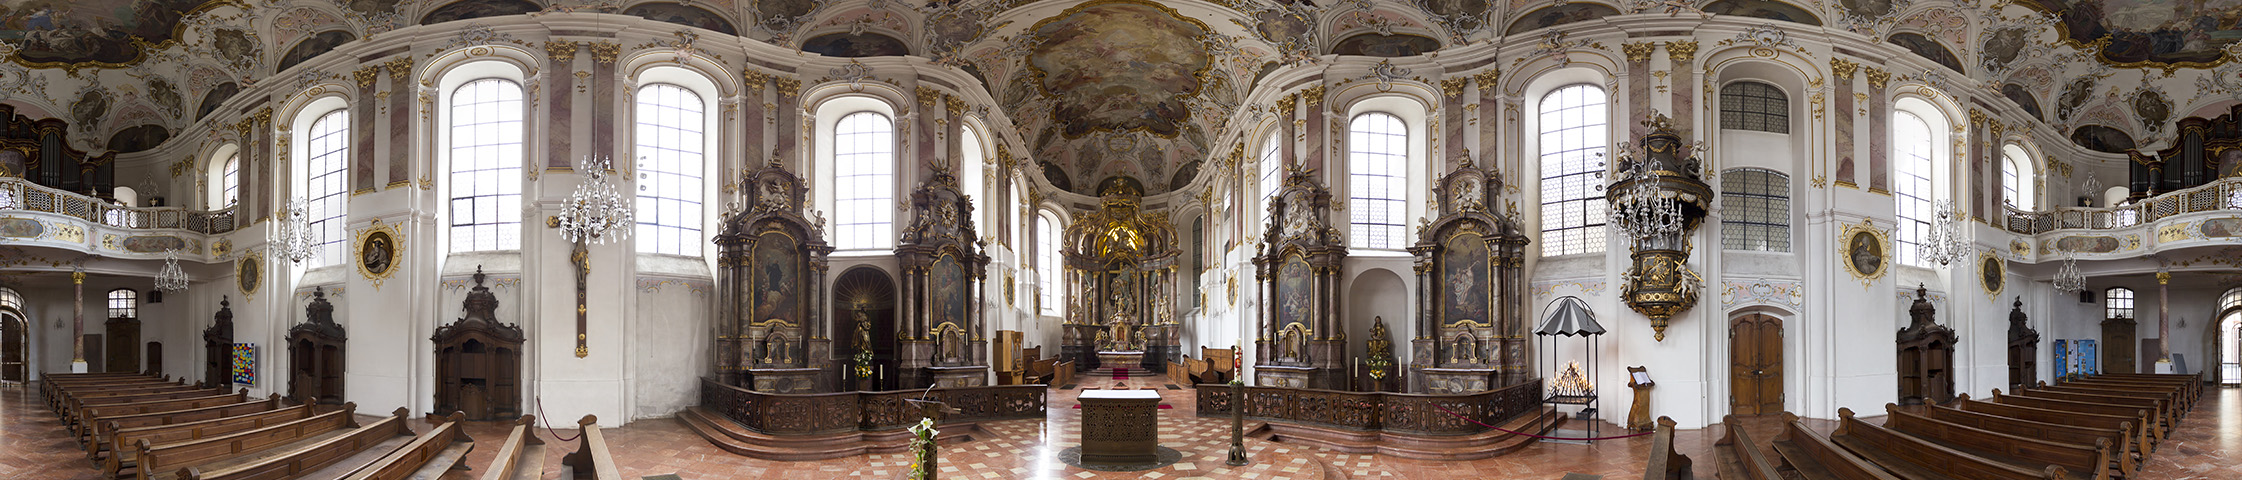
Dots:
{"x": 2016, "y": 179}
{"x": 1270, "y": 165}
{"x": 670, "y": 162}
{"x": 2118, "y": 302}
{"x": 864, "y": 181}
{"x": 1912, "y": 147}
{"x": 10, "y": 299}
{"x": 1047, "y": 267}
{"x": 1755, "y": 210}
{"x": 124, "y": 303}
{"x": 486, "y": 166}
{"x": 973, "y": 177}
{"x": 229, "y": 182}
{"x": 1754, "y": 106}
{"x": 327, "y": 153}
{"x": 1572, "y": 147}
{"x": 1377, "y": 180}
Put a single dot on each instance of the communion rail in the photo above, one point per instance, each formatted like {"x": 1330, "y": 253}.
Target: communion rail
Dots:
{"x": 1406, "y": 413}
{"x": 821, "y": 413}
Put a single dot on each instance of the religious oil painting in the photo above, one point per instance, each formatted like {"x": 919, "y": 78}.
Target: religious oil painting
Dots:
{"x": 114, "y": 32}
{"x": 1464, "y": 278}
{"x": 1768, "y": 9}
{"x": 845, "y": 44}
{"x": 948, "y": 283}
{"x": 1120, "y": 66}
{"x": 1295, "y": 284}
{"x": 1864, "y": 253}
{"x": 1992, "y": 273}
{"x": 778, "y": 279}
{"x": 2149, "y": 32}
{"x": 378, "y": 252}
{"x": 686, "y": 15}
{"x": 1928, "y": 49}
{"x": 1375, "y": 45}
{"x": 313, "y": 46}
{"x": 250, "y": 273}
{"x": 469, "y": 9}
{"x": 1559, "y": 14}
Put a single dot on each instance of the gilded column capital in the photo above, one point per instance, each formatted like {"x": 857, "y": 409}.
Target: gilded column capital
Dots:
{"x": 1877, "y": 77}
{"x": 561, "y": 51}
{"x": 366, "y": 75}
{"x": 1637, "y": 52}
{"x": 1488, "y": 80}
{"x": 605, "y": 52}
{"x": 1843, "y": 68}
{"x": 400, "y": 69}
{"x": 1681, "y": 51}
{"x": 754, "y": 79}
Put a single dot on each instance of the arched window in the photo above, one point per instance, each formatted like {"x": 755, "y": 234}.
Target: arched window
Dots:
{"x": 1754, "y": 106}
{"x": 1377, "y": 180}
{"x": 229, "y": 182}
{"x": 670, "y": 163}
{"x": 1912, "y": 173}
{"x": 2016, "y": 179}
{"x": 2232, "y": 299}
{"x": 864, "y": 181}
{"x": 486, "y": 166}
{"x": 327, "y": 153}
{"x": 1572, "y": 146}
{"x": 973, "y": 177}
{"x": 1270, "y": 166}
{"x": 1755, "y": 210}
{"x": 2118, "y": 302}
{"x": 1047, "y": 267}
{"x": 10, "y": 299}
{"x": 124, "y": 303}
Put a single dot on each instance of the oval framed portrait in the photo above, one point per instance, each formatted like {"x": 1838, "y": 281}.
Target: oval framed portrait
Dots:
{"x": 1865, "y": 251}
{"x": 379, "y": 249}
{"x": 249, "y": 273}
{"x": 1992, "y": 272}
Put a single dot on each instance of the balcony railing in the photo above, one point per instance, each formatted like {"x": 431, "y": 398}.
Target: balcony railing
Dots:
{"x": 2220, "y": 195}
{"x": 19, "y": 194}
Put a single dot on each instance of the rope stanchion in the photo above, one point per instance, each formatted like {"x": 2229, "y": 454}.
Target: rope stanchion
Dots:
{"x": 1444, "y": 409}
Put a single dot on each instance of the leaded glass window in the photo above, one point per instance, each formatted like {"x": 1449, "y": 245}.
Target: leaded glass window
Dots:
{"x": 1755, "y": 210}
{"x": 1754, "y": 106}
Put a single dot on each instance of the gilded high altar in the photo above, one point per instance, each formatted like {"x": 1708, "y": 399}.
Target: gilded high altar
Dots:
{"x": 1121, "y": 281}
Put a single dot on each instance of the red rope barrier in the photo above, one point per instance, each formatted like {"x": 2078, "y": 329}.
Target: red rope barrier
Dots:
{"x": 1444, "y": 409}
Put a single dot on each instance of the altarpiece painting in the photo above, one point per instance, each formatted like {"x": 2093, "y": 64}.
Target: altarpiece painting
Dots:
{"x": 944, "y": 342}
{"x": 769, "y": 259}
{"x": 1301, "y": 342}
{"x": 1469, "y": 257}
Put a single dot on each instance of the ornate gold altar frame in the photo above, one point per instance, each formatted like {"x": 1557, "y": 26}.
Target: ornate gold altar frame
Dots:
{"x": 1877, "y": 238}
{"x": 378, "y": 245}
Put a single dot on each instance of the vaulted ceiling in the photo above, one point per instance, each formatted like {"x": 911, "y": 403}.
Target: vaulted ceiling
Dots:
{"x": 1136, "y": 88}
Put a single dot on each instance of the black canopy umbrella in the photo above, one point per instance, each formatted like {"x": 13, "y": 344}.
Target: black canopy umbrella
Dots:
{"x": 1569, "y": 316}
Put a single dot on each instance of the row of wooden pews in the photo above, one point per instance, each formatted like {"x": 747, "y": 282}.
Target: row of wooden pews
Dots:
{"x": 2092, "y": 428}
{"x": 522, "y": 457}
{"x": 148, "y": 427}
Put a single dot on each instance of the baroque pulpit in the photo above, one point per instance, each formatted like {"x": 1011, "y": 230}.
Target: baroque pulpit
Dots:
{"x": 1471, "y": 307}
{"x": 772, "y": 335}
{"x": 1121, "y": 276}
{"x": 944, "y": 341}
{"x": 1300, "y": 341}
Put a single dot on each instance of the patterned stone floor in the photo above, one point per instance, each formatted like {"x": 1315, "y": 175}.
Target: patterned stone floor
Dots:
{"x": 34, "y": 446}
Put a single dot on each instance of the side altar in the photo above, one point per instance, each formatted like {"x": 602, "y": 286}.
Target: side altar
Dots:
{"x": 1121, "y": 281}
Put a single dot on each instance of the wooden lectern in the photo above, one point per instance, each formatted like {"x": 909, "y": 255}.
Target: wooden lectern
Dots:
{"x": 1638, "y": 417}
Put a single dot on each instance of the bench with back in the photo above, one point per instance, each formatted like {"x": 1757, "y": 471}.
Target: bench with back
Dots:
{"x": 2087, "y": 462}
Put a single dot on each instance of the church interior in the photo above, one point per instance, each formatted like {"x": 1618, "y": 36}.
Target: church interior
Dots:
{"x": 1235, "y": 239}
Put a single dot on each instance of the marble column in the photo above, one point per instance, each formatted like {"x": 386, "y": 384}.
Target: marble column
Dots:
{"x": 2163, "y": 317}
{"x": 78, "y": 321}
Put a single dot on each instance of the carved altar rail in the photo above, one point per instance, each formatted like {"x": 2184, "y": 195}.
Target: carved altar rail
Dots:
{"x": 1410, "y": 413}
{"x": 818, "y": 413}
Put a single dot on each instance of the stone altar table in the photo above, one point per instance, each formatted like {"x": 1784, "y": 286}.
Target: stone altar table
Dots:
{"x": 1120, "y": 427}
{"x": 1121, "y": 359}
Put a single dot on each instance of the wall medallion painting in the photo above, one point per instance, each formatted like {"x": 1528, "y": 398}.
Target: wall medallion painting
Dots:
{"x": 1295, "y": 286}
{"x": 777, "y": 279}
{"x": 249, "y": 273}
{"x": 949, "y": 284}
{"x": 1464, "y": 263}
{"x": 1866, "y": 251}
{"x": 1992, "y": 273}
{"x": 378, "y": 252}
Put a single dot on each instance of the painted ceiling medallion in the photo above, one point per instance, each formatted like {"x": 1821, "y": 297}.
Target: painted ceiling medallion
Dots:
{"x": 2148, "y": 33}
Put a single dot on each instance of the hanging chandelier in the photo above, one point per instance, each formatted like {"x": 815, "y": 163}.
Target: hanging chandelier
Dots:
{"x": 171, "y": 278}
{"x": 596, "y": 213}
{"x": 1943, "y": 244}
{"x": 291, "y": 236}
{"x": 1640, "y": 208}
{"x": 2067, "y": 279}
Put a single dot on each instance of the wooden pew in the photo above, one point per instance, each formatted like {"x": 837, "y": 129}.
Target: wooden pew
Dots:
{"x": 2160, "y": 409}
{"x": 323, "y": 456}
{"x": 2176, "y": 398}
{"x": 1179, "y": 374}
{"x": 2123, "y": 451}
{"x": 2178, "y": 393}
{"x": 2140, "y": 438}
{"x": 51, "y": 385}
{"x": 175, "y": 460}
{"x": 428, "y": 456}
{"x": 1813, "y": 456}
{"x": 522, "y": 457}
{"x": 1739, "y": 456}
{"x": 591, "y": 459}
{"x": 108, "y": 427}
{"x": 1062, "y": 373}
{"x": 1914, "y": 458}
{"x": 91, "y": 414}
{"x": 76, "y": 405}
{"x": 61, "y": 394}
{"x": 2082, "y": 461}
{"x": 2139, "y": 415}
{"x": 1665, "y": 463}
{"x": 2189, "y": 386}
{"x": 123, "y": 460}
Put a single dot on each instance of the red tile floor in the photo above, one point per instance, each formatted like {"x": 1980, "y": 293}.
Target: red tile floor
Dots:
{"x": 34, "y": 446}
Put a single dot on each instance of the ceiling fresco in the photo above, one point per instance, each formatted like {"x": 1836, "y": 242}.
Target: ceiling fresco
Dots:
{"x": 2141, "y": 32}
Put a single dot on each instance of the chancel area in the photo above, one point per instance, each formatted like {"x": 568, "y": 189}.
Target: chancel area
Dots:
{"x": 1061, "y": 239}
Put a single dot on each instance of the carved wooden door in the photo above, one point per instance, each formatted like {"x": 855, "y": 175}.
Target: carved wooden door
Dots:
{"x": 155, "y": 357}
{"x": 1756, "y": 364}
{"x": 12, "y": 348}
{"x": 2118, "y": 341}
{"x": 124, "y": 345}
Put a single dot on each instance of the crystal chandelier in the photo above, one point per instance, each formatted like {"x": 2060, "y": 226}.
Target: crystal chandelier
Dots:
{"x": 171, "y": 278}
{"x": 1943, "y": 244}
{"x": 2067, "y": 279}
{"x": 291, "y": 236}
{"x": 1641, "y": 209}
{"x": 596, "y": 213}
